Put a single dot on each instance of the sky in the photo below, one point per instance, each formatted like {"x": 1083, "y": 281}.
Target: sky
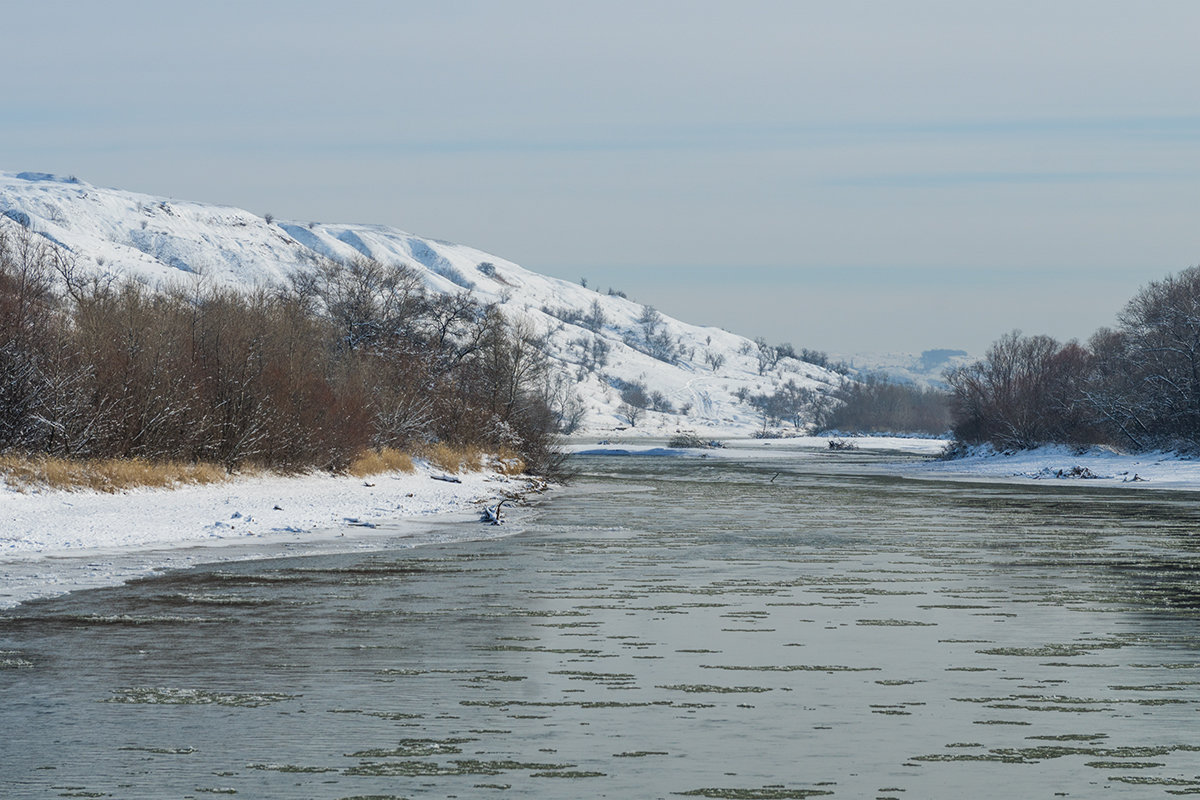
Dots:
{"x": 850, "y": 177}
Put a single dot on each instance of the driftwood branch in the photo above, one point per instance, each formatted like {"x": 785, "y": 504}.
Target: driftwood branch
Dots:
{"x": 492, "y": 514}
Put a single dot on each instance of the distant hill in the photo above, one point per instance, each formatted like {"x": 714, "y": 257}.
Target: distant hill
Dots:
{"x": 600, "y": 344}
{"x": 925, "y": 370}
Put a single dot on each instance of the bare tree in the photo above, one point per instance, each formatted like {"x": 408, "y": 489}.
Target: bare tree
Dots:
{"x": 348, "y": 356}
{"x": 630, "y": 413}
{"x": 1161, "y": 348}
{"x": 876, "y": 404}
{"x": 1115, "y": 389}
{"x": 1027, "y": 390}
{"x": 767, "y": 355}
{"x": 594, "y": 320}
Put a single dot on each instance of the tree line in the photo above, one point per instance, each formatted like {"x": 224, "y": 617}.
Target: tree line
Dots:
{"x": 1136, "y": 384}
{"x": 876, "y": 404}
{"x": 343, "y": 358}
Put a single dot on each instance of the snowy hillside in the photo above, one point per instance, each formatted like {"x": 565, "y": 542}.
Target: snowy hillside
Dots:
{"x": 601, "y": 344}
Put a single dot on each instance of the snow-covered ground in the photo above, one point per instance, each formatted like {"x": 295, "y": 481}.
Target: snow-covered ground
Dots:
{"x": 1095, "y": 466}
{"x": 57, "y": 541}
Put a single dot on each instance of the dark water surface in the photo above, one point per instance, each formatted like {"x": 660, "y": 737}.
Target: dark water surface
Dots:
{"x": 685, "y": 627}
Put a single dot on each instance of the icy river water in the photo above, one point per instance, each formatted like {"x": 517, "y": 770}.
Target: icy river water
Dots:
{"x": 675, "y": 627}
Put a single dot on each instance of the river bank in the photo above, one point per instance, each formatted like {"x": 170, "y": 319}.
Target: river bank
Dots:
{"x": 54, "y": 541}
{"x": 920, "y": 458}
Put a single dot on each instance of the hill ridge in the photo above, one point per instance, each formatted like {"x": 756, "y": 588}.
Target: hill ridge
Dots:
{"x": 698, "y": 378}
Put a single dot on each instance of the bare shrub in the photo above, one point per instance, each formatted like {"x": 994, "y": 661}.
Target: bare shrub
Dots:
{"x": 635, "y": 394}
{"x": 792, "y": 403}
{"x": 660, "y": 403}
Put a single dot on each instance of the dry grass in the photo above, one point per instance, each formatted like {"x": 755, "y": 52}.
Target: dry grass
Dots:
{"x": 103, "y": 475}
{"x": 453, "y": 459}
{"x": 507, "y": 462}
{"x": 25, "y": 472}
{"x": 471, "y": 459}
{"x": 373, "y": 462}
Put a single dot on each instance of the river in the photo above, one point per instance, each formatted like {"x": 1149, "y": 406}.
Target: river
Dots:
{"x": 810, "y": 626}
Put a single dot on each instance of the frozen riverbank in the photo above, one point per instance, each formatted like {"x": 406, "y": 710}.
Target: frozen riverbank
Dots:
{"x": 53, "y": 542}
{"x": 56, "y": 541}
{"x": 1094, "y": 466}
{"x": 758, "y": 448}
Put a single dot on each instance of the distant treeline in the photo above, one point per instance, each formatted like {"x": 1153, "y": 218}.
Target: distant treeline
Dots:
{"x": 868, "y": 404}
{"x": 1136, "y": 385}
{"x": 346, "y": 357}
{"x": 875, "y": 404}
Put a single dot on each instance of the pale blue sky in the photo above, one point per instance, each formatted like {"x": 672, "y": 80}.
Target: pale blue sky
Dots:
{"x": 848, "y": 176}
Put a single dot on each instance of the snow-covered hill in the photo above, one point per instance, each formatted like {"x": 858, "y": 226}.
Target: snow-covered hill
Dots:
{"x": 600, "y": 344}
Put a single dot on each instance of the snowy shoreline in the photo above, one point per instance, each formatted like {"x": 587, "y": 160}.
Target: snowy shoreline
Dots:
{"x": 1094, "y": 467}
{"x": 53, "y": 542}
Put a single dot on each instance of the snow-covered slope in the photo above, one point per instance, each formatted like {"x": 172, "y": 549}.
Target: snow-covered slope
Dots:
{"x": 163, "y": 241}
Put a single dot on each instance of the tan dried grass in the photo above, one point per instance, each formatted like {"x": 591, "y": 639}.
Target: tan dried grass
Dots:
{"x": 24, "y": 472}
{"x": 453, "y": 459}
{"x": 373, "y": 462}
{"x": 507, "y": 462}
